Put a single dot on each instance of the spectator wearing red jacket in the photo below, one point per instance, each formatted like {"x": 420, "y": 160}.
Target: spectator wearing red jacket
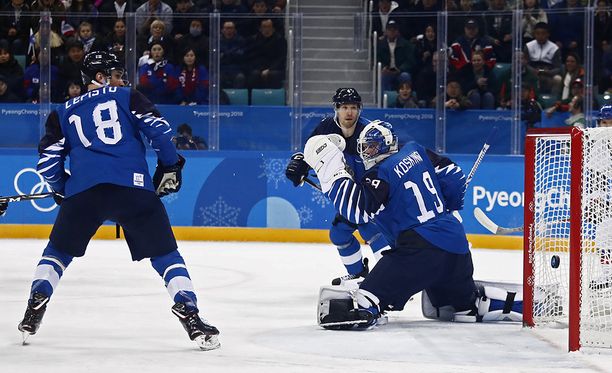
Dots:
{"x": 193, "y": 80}
{"x": 157, "y": 79}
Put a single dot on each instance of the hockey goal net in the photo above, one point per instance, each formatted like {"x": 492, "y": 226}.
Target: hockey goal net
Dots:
{"x": 568, "y": 233}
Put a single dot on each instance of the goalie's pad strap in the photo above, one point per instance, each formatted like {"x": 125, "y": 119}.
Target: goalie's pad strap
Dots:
{"x": 509, "y": 302}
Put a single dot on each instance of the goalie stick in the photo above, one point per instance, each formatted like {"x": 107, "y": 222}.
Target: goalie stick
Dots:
{"x": 486, "y": 222}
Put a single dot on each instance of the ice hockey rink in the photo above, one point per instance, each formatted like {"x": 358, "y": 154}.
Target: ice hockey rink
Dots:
{"x": 113, "y": 315}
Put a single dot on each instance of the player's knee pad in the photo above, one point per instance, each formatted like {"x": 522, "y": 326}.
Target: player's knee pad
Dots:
{"x": 339, "y": 308}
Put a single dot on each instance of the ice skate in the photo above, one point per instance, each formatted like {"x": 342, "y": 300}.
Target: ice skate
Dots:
{"x": 364, "y": 272}
{"x": 33, "y": 315}
{"x": 198, "y": 329}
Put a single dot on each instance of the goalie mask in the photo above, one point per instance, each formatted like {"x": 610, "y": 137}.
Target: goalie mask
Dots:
{"x": 376, "y": 142}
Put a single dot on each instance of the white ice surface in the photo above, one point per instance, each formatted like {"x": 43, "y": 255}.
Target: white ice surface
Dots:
{"x": 112, "y": 315}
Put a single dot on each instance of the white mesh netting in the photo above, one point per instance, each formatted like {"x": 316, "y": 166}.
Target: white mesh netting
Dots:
{"x": 550, "y": 233}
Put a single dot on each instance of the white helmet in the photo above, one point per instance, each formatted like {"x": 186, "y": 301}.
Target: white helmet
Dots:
{"x": 376, "y": 142}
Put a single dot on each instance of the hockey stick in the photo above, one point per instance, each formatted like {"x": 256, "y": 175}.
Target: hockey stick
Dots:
{"x": 486, "y": 222}
{"x": 481, "y": 155}
{"x": 312, "y": 183}
{"x": 27, "y": 197}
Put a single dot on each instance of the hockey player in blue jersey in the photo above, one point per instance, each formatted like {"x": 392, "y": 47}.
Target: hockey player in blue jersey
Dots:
{"x": 346, "y": 123}
{"x": 109, "y": 180}
{"x": 409, "y": 193}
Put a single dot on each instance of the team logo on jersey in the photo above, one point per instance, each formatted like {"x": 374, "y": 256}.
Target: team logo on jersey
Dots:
{"x": 29, "y": 176}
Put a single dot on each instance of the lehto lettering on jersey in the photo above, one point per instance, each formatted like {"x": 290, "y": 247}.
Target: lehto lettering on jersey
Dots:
{"x": 406, "y": 163}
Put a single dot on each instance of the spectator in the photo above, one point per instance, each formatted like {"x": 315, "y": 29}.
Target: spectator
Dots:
{"x": 456, "y": 23}
{"x": 426, "y": 45}
{"x": 195, "y": 39}
{"x": 115, "y": 41}
{"x": 267, "y": 57}
{"x": 545, "y": 59}
{"x": 31, "y": 80}
{"x": 529, "y": 80}
{"x": 455, "y": 100}
{"x": 70, "y": 69}
{"x": 397, "y": 57}
{"x": 181, "y": 18}
{"x": 157, "y": 33}
{"x": 6, "y": 95}
{"x": 570, "y": 71}
{"x": 91, "y": 42}
{"x": 532, "y": 15}
{"x": 577, "y": 89}
{"x": 499, "y": 28}
{"x": 232, "y": 49}
{"x": 193, "y": 80}
{"x": 426, "y": 83}
{"x": 405, "y": 96}
{"x": 479, "y": 83}
{"x": 250, "y": 26}
{"x": 15, "y": 28}
{"x": 383, "y": 15}
{"x": 567, "y": 26}
{"x": 10, "y": 69}
{"x": 82, "y": 11}
{"x": 229, "y": 9}
{"x": 73, "y": 89}
{"x": 462, "y": 48}
{"x": 111, "y": 11}
{"x": 605, "y": 81}
{"x": 531, "y": 111}
{"x": 53, "y": 6}
{"x": 577, "y": 113}
{"x": 412, "y": 26}
{"x": 184, "y": 139}
{"x": 157, "y": 78}
{"x": 150, "y": 11}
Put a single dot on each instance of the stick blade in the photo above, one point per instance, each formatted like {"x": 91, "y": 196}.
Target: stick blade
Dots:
{"x": 484, "y": 220}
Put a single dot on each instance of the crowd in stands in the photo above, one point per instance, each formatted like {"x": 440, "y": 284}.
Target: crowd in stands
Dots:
{"x": 479, "y": 35}
{"x": 172, "y": 45}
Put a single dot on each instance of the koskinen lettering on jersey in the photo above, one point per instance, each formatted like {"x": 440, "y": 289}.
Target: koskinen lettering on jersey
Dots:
{"x": 40, "y": 187}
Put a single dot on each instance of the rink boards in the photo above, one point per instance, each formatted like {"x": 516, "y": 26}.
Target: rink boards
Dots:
{"x": 244, "y": 195}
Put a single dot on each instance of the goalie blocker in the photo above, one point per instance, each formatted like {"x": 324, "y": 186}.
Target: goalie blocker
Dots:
{"x": 343, "y": 308}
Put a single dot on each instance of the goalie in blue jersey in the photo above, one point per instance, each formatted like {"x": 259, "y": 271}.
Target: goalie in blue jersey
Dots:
{"x": 347, "y": 124}
{"x": 109, "y": 180}
{"x": 410, "y": 194}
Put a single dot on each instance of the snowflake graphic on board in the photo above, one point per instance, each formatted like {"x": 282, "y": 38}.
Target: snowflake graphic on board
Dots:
{"x": 305, "y": 214}
{"x": 273, "y": 170}
{"x": 170, "y": 198}
{"x": 220, "y": 214}
{"x": 319, "y": 198}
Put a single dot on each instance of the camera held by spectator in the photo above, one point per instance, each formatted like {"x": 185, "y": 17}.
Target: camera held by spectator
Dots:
{"x": 184, "y": 139}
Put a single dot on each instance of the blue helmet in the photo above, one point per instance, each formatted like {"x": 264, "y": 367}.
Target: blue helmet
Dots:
{"x": 346, "y": 96}
{"x": 605, "y": 112}
{"x": 376, "y": 142}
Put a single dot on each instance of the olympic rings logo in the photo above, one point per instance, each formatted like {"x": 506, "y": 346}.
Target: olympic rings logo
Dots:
{"x": 40, "y": 187}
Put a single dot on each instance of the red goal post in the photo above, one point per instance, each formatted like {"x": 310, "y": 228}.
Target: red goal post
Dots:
{"x": 567, "y": 264}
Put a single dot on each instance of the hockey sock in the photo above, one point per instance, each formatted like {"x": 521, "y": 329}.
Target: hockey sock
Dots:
{"x": 171, "y": 267}
{"x": 49, "y": 270}
{"x": 374, "y": 238}
{"x": 350, "y": 254}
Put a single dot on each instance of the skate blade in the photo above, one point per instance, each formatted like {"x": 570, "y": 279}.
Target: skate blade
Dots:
{"x": 25, "y": 336}
{"x": 208, "y": 342}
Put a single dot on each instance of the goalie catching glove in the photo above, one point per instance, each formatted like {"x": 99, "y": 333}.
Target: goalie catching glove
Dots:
{"x": 168, "y": 179}
{"x": 324, "y": 154}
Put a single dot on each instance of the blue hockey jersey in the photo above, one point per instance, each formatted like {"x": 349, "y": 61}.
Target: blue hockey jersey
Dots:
{"x": 100, "y": 132}
{"x": 404, "y": 192}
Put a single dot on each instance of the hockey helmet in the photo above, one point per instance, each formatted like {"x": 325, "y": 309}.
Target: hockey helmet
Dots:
{"x": 346, "y": 96}
{"x": 376, "y": 142}
{"x": 99, "y": 62}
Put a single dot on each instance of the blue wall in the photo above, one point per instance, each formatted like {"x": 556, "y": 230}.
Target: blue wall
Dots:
{"x": 249, "y": 189}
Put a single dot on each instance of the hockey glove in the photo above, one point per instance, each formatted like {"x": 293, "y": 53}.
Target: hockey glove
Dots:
{"x": 324, "y": 156}
{"x": 3, "y": 207}
{"x": 58, "y": 198}
{"x": 297, "y": 169}
{"x": 168, "y": 179}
